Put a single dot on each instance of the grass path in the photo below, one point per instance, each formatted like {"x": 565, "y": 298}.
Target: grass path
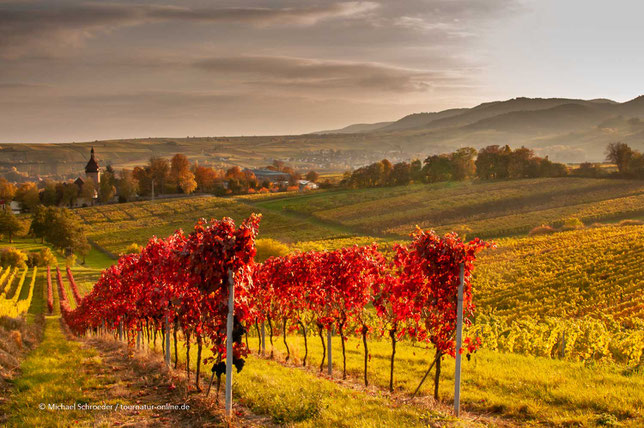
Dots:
{"x": 78, "y": 372}
{"x": 298, "y": 398}
{"x": 55, "y": 372}
{"x": 68, "y": 382}
{"x": 274, "y": 206}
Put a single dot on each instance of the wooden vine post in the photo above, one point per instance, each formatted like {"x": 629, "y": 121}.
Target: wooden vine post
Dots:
{"x": 459, "y": 342}
{"x": 263, "y": 339}
{"x": 167, "y": 341}
{"x": 229, "y": 344}
{"x": 329, "y": 343}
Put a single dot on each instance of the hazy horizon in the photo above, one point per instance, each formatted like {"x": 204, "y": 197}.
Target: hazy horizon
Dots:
{"x": 84, "y": 71}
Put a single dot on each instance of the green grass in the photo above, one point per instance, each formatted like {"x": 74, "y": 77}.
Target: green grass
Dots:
{"x": 489, "y": 209}
{"x": 299, "y": 398}
{"x": 524, "y": 388}
{"x": 294, "y": 396}
{"x": 114, "y": 227}
{"x": 50, "y": 374}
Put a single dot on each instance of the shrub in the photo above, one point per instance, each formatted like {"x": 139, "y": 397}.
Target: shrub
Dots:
{"x": 588, "y": 169}
{"x": 133, "y": 248}
{"x": 13, "y": 257}
{"x": 542, "y": 230}
{"x": 41, "y": 258}
{"x": 70, "y": 260}
{"x": 270, "y": 248}
{"x": 572, "y": 223}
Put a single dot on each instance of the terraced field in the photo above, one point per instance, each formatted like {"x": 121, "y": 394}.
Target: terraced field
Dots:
{"x": 485, "y": 209}
{"x": 114, "y": 227}
{"x": 489, "y": 209}
{"x": 571, "y": 274}
{"x": 577, "y": 294}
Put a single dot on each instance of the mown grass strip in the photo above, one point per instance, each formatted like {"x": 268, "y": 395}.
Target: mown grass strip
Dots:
{"x": 51, "y": 375}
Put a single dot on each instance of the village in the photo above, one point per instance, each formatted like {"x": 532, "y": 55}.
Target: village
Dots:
{"x": 160, "y": 178}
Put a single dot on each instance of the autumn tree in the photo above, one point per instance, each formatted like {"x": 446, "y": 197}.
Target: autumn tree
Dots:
{"x": 438, "y": 168}
{"x": 312, "y": 176}
{"x": 127, "y": 186}
{"x": 10, "y": 225}
{"x": 49, "y": 194}
{"x": 522, "y": 163}
{"x": 39, "y": 226}
{"x": 7, "y": 190}
{"x": 206, "y": 178}
{"x": 492, "y": 162}
{"x": 620, "y": 154}
{"x": 63, "y": 230}
{"x": 106, "y": 190}
{"x": 180, "y": 174}
{"x": 463, "y": 166}
{"x": 28, "y": 195}
{"x": 401, "y": 174}
{"x": 69, "y": 194}
{"x": 88, "y": 191}
{"x": 159, "y": 171}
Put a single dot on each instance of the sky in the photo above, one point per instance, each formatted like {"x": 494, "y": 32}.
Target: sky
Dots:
{"x": 84, "y": 71}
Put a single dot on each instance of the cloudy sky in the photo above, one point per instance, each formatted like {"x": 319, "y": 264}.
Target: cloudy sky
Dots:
{"x": 79, "y": 71}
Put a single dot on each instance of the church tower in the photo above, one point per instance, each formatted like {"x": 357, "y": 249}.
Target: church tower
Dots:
{"x": 92, "y": 170}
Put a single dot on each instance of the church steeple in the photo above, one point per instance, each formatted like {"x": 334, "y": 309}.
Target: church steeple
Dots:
{"x": 92, "y": 170}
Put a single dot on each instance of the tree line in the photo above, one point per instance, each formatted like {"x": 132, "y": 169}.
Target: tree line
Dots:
{"x": 489, "y": 163}
{"x": 159, "y": 176}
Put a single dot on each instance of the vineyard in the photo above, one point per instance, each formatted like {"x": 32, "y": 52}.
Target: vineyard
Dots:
{"x": 17, "y": 290}
{"x": 488, "y": 209}
{"x": 365, "y": 299}
{"x": 589, "y": 287}
{"x": 115, "y": 227}
{"x": 385, "y": 311}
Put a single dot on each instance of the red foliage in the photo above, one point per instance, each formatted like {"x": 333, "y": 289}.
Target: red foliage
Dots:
{"x": 428, "y": 276}
{"x": 62, "y": 295}
{"x": 184, "y": 279}
{"x": 70, "y": 277}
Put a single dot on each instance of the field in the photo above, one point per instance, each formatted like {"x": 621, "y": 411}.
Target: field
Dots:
{"x": 572, "y": 359}
{"x": 488, "y": 209}
{"x": 484, "y": 209}
{"x": 114, "y": 227}
{"x": 597, "y": 304}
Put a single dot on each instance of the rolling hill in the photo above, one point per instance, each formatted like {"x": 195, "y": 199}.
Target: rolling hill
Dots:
{"x": 567, "y": 130}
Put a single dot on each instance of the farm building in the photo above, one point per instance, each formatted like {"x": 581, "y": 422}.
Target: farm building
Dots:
{"x": 269, "y": 175}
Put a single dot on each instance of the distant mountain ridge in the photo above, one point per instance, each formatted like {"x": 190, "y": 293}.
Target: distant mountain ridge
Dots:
{"x": 357, "y": 128}
{"x": 467, "y": 116}
{"x": 570, "y": 130}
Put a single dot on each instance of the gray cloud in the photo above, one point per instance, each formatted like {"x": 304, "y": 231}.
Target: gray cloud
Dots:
{"x": 265, "y": 16}
{"x": 25, "y": 29}
{"x": 326, "y": 74}
{"x": 73, "y": 69}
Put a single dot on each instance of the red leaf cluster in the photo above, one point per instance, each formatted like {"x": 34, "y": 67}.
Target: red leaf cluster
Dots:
{"x": 72, "y": 282}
